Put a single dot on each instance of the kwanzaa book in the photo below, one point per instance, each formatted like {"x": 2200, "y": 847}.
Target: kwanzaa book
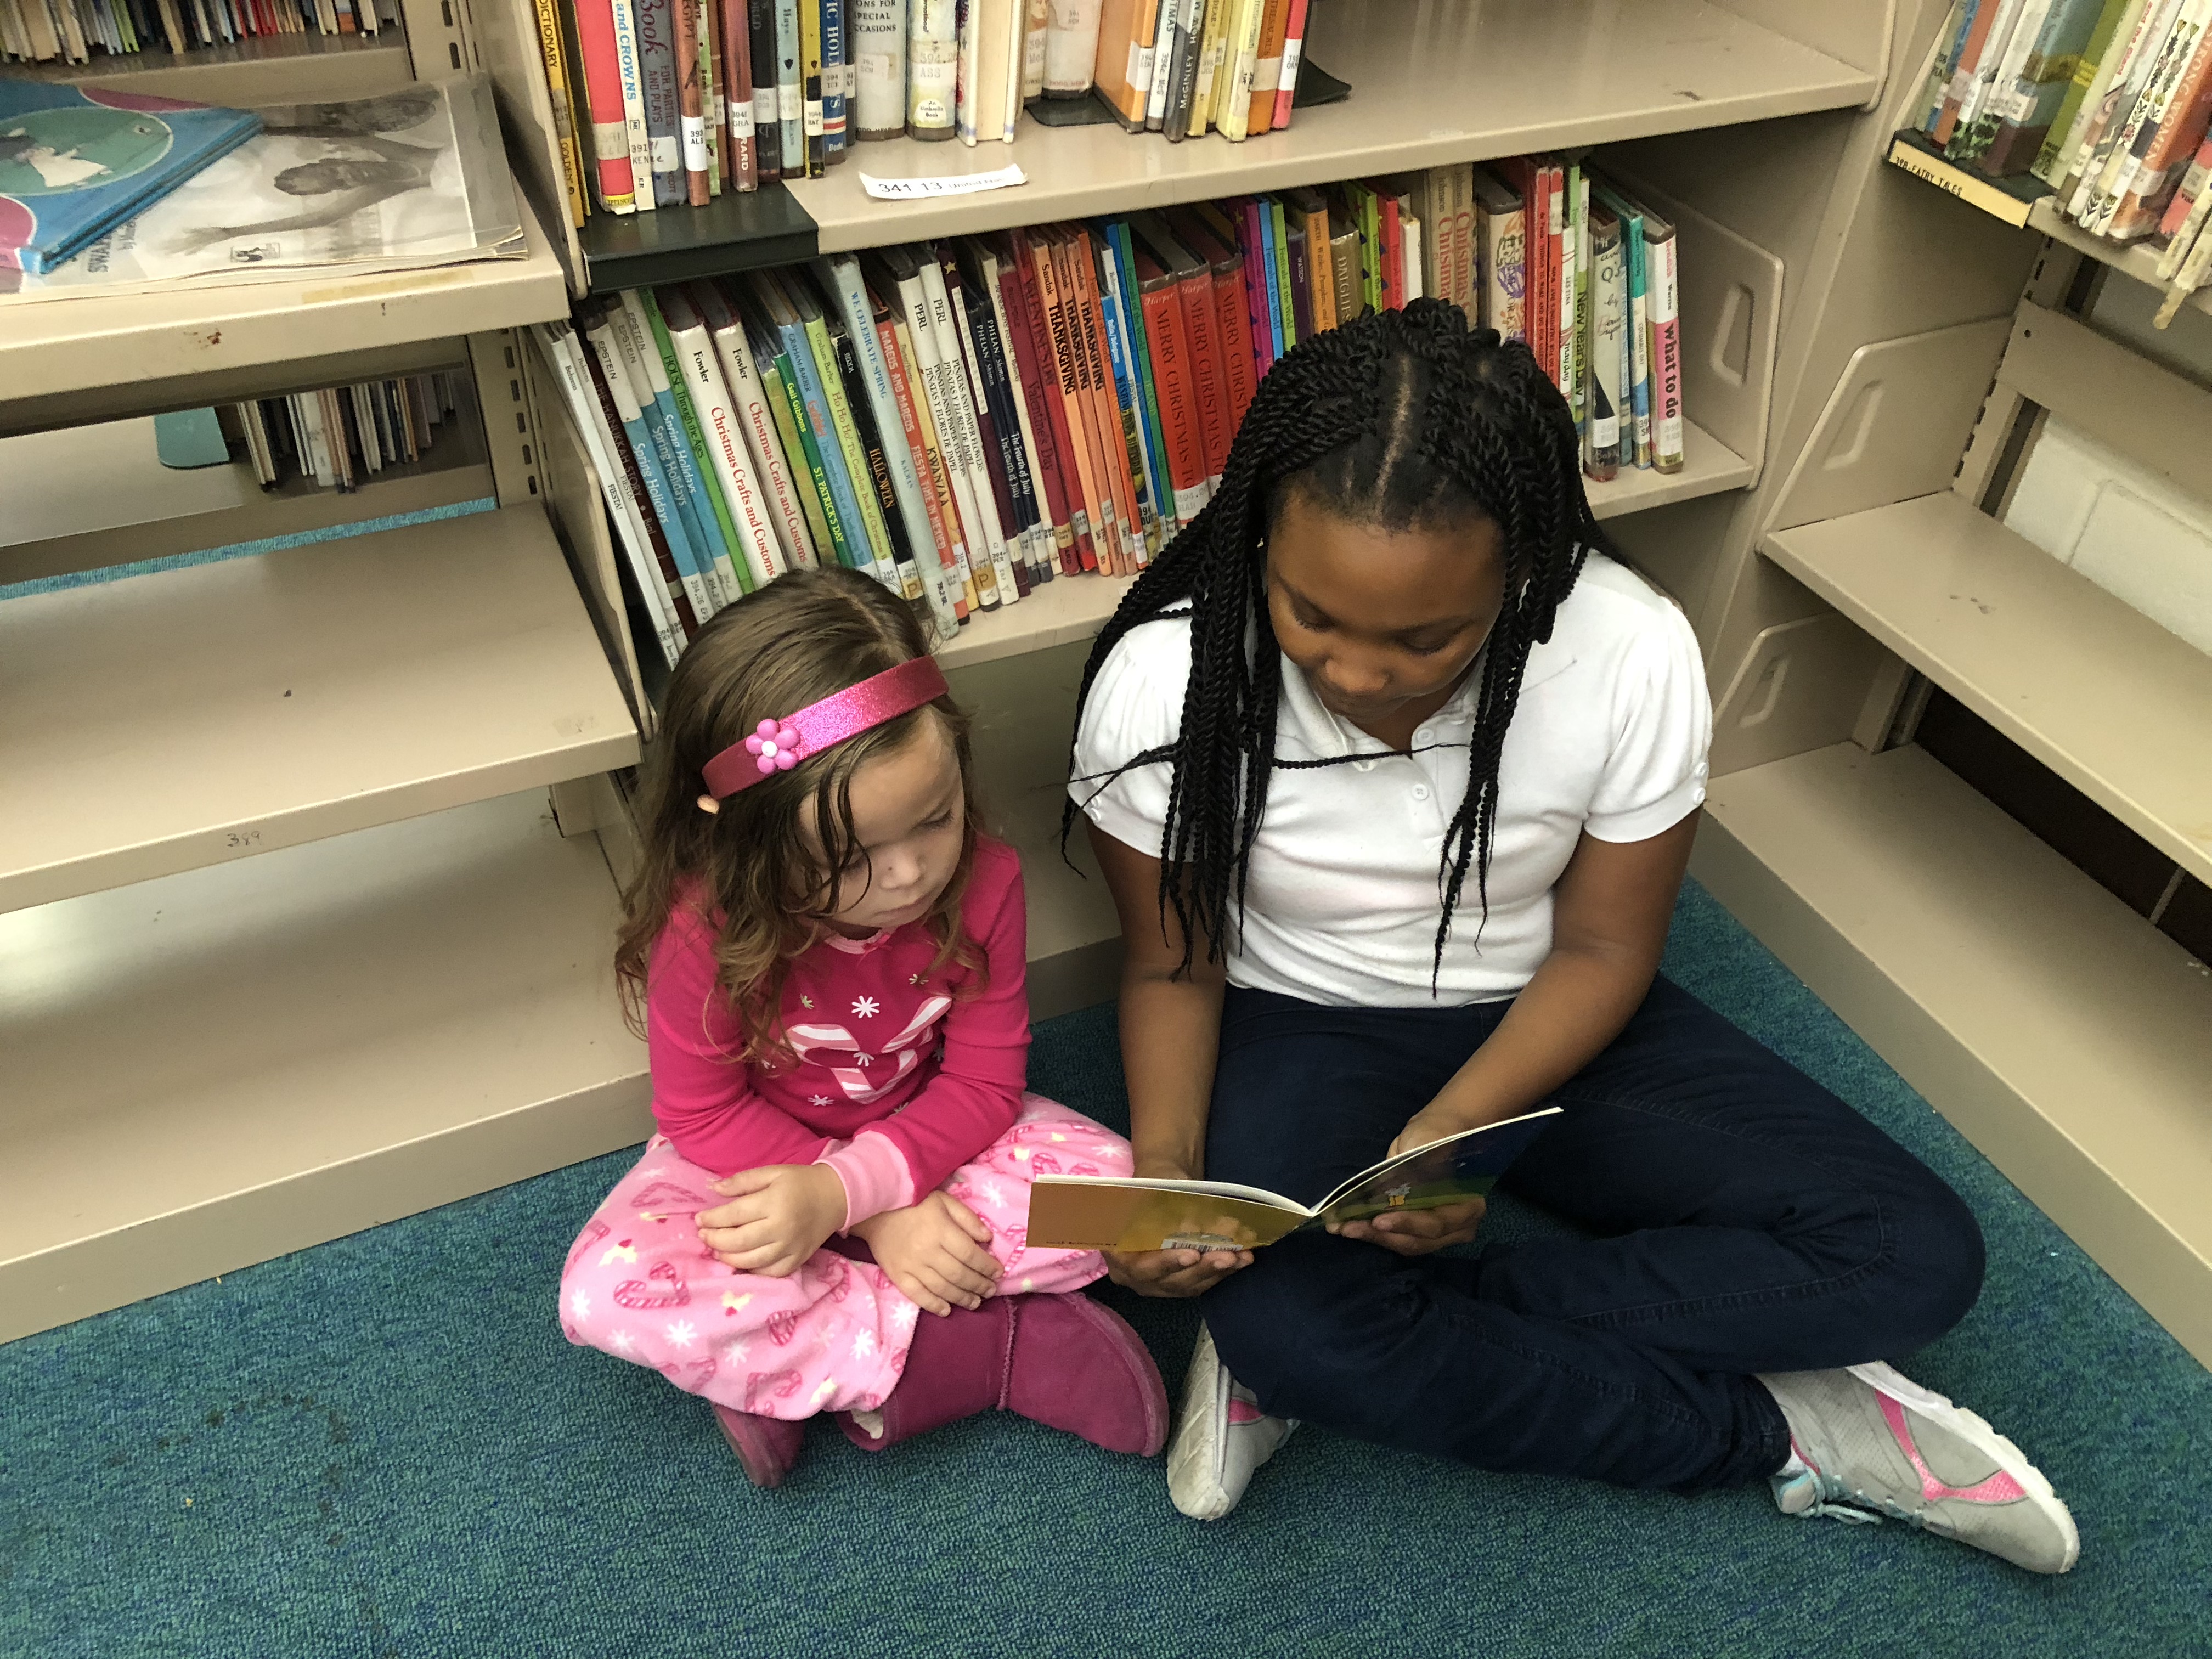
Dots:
{"x": 1116, "y": 1213}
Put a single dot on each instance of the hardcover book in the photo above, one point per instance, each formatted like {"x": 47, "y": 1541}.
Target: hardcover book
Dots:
{"x": 77, "y": 161}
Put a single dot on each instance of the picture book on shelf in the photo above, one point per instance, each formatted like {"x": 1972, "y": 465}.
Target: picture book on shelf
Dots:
{"x": 1084, "y": 1211}
{"x": 77, "y": 161}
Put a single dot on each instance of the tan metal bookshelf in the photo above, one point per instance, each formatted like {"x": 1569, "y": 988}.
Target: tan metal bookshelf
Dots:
{"x": 192, "y": 716}
{"x": 2069, "y": 1042}
{"x": 2103, "y": 696}
{"x": 267, "y": 68}
{"x": 64, "y": 362}
{"x": 221, "y": 1066}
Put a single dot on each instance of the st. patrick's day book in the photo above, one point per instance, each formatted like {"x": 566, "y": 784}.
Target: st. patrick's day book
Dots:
{"x": 77, "y": 161}
{"x": 1118, "y": 1212}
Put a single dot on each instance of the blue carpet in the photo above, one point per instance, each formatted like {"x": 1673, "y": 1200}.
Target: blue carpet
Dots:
{"x": 383, "y": 1446}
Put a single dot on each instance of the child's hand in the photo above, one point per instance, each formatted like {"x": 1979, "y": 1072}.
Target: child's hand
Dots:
{"x": 934, "y": 1252}
{"x": 778, "y": 1215}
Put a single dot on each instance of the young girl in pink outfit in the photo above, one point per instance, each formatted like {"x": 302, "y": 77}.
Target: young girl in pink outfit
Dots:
{"x": 827, "y": 957}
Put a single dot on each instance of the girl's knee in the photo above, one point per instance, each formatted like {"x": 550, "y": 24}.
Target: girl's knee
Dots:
{"x": 1936, "y": 1272}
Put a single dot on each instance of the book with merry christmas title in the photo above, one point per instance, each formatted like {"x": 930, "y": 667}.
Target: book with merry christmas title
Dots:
{"x": 1129, "y": 1213}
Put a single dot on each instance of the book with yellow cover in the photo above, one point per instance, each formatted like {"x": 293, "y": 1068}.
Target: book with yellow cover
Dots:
{"x": 1117, "y": 1212}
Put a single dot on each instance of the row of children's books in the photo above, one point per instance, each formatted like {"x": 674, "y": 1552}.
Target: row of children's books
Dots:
{"x": 40, "y": 31}
{"x": 971, "y": 419}
{"x": 341, "y": 437}
{"x": 2106, "y": 102}
{"x": 668, "y": 103}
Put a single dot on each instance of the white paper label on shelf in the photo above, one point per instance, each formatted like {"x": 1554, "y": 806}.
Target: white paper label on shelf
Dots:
{"x": 916, "y": 190}
{"x": 667, "y": 153}
{"x": 693, "y": 130}
{"x": 741, "y": 121}
{"x": 1288, "y": 75}
{"x": 764, "y": 107}
{"x": 790, "y": 101}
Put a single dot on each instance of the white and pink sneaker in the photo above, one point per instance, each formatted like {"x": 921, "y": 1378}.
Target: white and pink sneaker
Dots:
{"x": 1222, "y": 1437}
{"x": 1867, "y": 1442}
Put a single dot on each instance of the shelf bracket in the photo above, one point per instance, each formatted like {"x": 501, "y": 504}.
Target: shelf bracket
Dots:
{"x": 506, "y": 398}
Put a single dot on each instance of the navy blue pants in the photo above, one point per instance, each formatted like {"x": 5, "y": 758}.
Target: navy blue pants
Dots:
{"x": 1743, "y": 1219}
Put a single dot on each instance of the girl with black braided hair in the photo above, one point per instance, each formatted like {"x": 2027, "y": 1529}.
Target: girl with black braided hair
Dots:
{"x": 1393, "y": 774}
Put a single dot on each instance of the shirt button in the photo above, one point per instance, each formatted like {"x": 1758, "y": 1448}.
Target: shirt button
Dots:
{"x": 1420, "y": 792}
{"x": 1362, "y": 766}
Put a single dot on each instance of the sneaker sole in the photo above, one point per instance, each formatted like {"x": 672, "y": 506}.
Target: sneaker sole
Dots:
{"x": 1194, "y": 1456}
{"x": 1974, "y": 1429}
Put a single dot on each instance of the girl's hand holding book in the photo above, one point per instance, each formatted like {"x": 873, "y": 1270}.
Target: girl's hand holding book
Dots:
{"x": 778, "y": 1215}
{"x": 935, "y": 1252}
{"x": 1417, "y": 1232}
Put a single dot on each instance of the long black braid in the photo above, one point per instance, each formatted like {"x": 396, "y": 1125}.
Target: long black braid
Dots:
{"x": 1395, "y": 420}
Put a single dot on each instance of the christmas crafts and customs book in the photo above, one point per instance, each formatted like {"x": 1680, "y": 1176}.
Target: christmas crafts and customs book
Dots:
{"x": 77, "y": 161}
{"x": 1130, "y": 1213}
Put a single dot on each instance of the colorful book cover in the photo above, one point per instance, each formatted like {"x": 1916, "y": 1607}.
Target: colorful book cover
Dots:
{"x": 657, "y": 403}
{"x": 1128, "y": 400}
{"x": 77, "y": 161}
{"x": 729, "y": 561}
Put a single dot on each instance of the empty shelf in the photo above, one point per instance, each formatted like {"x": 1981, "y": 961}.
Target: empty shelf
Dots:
{"x": 190, "y": 716}
{"x": 2095, "y": 690}
{"x": 220, "y": 1067}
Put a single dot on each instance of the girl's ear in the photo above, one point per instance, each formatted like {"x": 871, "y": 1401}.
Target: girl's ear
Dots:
{"x": 708, "y": 804}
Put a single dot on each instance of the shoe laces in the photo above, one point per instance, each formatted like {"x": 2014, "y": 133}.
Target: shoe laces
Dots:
{"x": 1833, "y": 1501}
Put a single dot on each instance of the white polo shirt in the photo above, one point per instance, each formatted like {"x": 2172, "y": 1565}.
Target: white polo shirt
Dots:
{"x": 1609, "y": 736}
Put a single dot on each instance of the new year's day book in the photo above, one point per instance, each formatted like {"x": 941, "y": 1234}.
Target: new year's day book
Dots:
{"x": 1116, "y": 1213}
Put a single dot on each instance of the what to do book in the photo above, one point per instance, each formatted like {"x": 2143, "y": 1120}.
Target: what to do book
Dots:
{"x": 1130, "y": 1213}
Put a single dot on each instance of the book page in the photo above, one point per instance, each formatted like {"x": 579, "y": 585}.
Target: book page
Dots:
{"x": 1091, "y": 1212}
{"x": 1446, "y": 1171}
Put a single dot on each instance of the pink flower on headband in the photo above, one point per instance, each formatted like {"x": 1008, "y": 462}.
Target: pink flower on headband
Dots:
{"x": 775, "y": 747}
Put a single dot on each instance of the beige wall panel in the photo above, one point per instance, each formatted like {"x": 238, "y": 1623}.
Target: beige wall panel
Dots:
{"x": 2148, "y": 414}
{"x": 1895, "y": 424}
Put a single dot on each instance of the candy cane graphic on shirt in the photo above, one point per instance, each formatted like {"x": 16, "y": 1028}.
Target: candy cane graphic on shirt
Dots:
{"x": 818, "y": 1043}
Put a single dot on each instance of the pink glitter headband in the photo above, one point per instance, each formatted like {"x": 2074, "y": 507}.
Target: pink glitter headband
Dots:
{"x": 779, "y": 745}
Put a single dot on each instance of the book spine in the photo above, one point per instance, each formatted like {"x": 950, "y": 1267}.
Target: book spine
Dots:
{"x": 1294, "y": 44}
{"x": 1214, "y": 39}
{"x": 960, "y": 408}
{"x": 631, "y": 69}
{"x": 810, "y": 81}
{"x": 557, "y": 345}
{"x": 656, "y": 51}
{"x": 1116, "y": 275}
{"x": 1170, "y": 14}
{"x": 1665, "y": 302}
{"x": 1209, "y": 392}
{"x": 1267, "y": 72}
{"x": 1062, "y": 333}
{"x": 1608, "y": 313}
{"x": 1157, "y": 486}
{"x": 840, "y": 453}
{"x": 563, "y": 96}
{"x": 645, "y": 446}
{"x": 1028, "y": 394}
{"x": 1129, "y": 407}
{"x": 835, "y": 96}
{"x": 933, "y": 68}
{"x": 740, "y": 138}
{"x": 790, "y": 90}
{"x": 691, "y": 108}
{"x": 764, "y": 444}
{"x": 685, "y": 458}
{"x": 767, "y": 121}
{"x": 787, "y": 408}
{"x": 723, "y": 426}
{"x": 1178, "y": 411}
{"x": 1279, "y": 272}
{"x": 712, "y": 110}
{"x": 1000, "y": 466}
{"x": 884, "y": 394}
{"x": 878, "y": 494}
{"x": 1574, "y": 359}
{"x": 1053, "y": 366}
{"x": 995, "y": 358}
{"x": 1083, "y": 276}
{"x": 1234, "y": 324}
{"x": 1071, "y": 47}
{"x": 879, "y": 29}
{"x": 939, "y": 396}
{"x": 906, "y": 383}
{"x": 2050, "y": 154}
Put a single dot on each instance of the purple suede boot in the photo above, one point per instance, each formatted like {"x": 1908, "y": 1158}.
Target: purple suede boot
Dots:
{"x": 1062, "y": 1360}
{"x": 766, "y": 1447}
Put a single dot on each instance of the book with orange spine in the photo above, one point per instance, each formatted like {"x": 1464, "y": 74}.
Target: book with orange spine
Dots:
{"x": 1171, "y": 373}
{"x": 1208, "y": 373}
{"x": 1021, "y": 263}
{"x": 1089, "y": 459}
{"x": 1082, "y": 262}
{"x": 1100, "y": 421}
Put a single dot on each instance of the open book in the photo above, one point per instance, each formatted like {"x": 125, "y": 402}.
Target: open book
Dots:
{"x": 1130, "y": 1213}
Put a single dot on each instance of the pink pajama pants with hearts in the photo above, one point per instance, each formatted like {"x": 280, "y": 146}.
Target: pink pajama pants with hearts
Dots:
{"x": 833, "y": 1336}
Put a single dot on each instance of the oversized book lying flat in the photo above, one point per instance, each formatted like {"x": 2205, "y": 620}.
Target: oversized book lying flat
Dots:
{"x": 1116, "y": 1213}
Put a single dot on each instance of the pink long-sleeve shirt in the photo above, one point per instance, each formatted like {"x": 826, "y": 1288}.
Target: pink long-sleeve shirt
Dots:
{"x": 899, "y": 1081}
